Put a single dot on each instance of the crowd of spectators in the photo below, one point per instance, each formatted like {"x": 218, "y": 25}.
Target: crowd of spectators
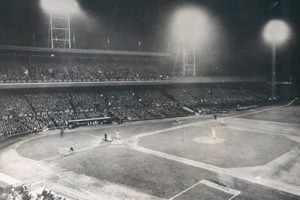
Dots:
{"x": 22, "y": 193}
{"x": 45, "y": 72}
{"x": 17, "y": 116}
{"x": 143, "y": 105}
{"x": 45, "y": 102}
{"x": 209, "y": 100}
{"x": 182, "y": 96}
{"x": 31, "y": 112}
{"x": 12, "y": 72}
{"x": 24, "y": 124}
{"x": 87, "y": 72}
{"x": 9, "y": 103}
{"x": 48, "y": 195}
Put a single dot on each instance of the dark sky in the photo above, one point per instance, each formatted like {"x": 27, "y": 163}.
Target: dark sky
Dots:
{"x": 126, "y": 22}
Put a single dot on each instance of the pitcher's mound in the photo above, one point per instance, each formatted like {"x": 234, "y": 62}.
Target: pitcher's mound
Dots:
{"x": 208, "y": 140}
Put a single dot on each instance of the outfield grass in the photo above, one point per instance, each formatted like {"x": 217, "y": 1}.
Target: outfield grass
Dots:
{"x": 240, "y": 148}
{"x": 289, "y": 114}
{"x": 145, "y": 173}
{"x": 155, "y": 176}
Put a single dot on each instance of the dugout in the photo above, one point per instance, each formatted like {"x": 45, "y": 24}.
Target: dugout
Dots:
{"x": 87, "y": 122}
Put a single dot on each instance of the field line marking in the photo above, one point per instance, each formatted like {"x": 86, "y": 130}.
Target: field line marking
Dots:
{"x": 219, "y": 187}
{"x": 185, "y": 190}
{"x": 235, "y": 195}
{"x": 50, "y": 171}
{"x": 263, "y": 110}
{"x": 82, "y": 133}
{"x": 78, "y": 151}
{"x": 213, "y": 185}
{"x": 270, "y": 122}
{"x": 289, "y": 134}
{"x": 137, "y": 137}
{"x": 241, "y": 176}
{"x": 254, "y": 130}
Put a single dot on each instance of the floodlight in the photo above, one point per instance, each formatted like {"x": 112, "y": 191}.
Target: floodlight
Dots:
{"x": 60, "y": 6}
{"x": 190, "y": 29}
{"x": 60, "y": 12}
{"x": 276, "y": 31}
{"x": 190, "y": 24}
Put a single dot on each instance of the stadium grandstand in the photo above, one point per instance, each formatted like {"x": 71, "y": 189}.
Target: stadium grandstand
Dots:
{"x": 92, "y": 87}
{"x": 149, "y": 100}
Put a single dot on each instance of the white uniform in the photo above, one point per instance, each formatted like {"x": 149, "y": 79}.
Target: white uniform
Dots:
{"x": 117, "y": 135}
{"x": 214, "y": 133}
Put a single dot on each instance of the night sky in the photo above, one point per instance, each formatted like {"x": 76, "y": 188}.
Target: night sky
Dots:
{"x": 240, "y": 51}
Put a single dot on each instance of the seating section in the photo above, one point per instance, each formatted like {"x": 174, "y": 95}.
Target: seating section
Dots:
{"x": 45, "y": 72}
{"x": 207, "y": 100}
{"x": 30, "y": 112}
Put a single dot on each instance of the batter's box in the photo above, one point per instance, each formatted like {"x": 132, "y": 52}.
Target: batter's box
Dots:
{"x": 206, "y": 190}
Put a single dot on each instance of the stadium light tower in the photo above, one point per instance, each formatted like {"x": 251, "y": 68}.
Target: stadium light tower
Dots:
{"x": 190, "y": 27}
{"x": 60, "y": 21}
{"x": 275, "y": 32}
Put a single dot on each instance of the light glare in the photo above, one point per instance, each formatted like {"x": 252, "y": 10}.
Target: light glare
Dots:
{"x": 276, "y": 31}
{"x": 190, "y": 24}
{"x": 60, "y": 6}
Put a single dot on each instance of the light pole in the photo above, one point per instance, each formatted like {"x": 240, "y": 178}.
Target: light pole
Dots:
{"x": 190, "y": 28}
{"x": 275, "y": 32}
{"x": 60, "y": 21}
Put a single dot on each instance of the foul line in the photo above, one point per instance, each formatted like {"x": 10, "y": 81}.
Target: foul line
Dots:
{"x": 212, "y": 185}
{"x": 185, "y": 190}
{"x": 50, "y": 171}
{"x": 269, "y": 122}
{"x": 271, "y": 184}
{"x": 220, "y": 187}
{"x": 136, "y": 137}
{"x": 78, "y": 151}
{"x": 235, "y": 195}
{"x": 90, "y": 135}
{"x": 241, "y": 176}
{"x": 264, "y": 110}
